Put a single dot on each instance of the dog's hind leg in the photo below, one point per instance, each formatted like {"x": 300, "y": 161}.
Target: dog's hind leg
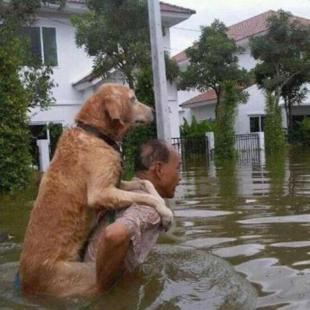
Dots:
{"x": 72, "y": 279}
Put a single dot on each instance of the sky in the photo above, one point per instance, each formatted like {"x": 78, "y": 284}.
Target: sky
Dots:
{"x": 228, "y": 11}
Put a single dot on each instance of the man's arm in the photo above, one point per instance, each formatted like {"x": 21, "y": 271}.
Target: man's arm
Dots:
{"x": 112, "y": 249}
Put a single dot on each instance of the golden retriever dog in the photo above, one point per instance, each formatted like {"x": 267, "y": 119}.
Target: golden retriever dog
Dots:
{"x": 84, "y": 176}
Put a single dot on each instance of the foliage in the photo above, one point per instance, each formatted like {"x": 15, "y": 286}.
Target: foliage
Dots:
{"x": 21, "y": 12}
{"x": 213, "y": 61}
{"x": 55, "y": 133}
{"x": 116, "y": 33}
{"x": 196, "y": 129}
{"x": 284, "y": 59}
{"x": 274, "y": 135}
{"x": 305, "y": 131}
{"x": 224, "y": 128}
{"x": 138, "y": 135}
{"x": 20, "y": 89}
{"x": 14, "y": 153}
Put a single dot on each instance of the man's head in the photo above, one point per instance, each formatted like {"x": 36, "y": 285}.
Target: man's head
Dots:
{"x": 159, "y": 162}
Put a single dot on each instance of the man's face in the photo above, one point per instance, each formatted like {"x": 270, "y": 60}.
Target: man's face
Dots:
{"x": 170, "y": 175}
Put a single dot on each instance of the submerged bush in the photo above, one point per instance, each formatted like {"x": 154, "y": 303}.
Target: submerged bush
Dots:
{"x": 196, "y": 129}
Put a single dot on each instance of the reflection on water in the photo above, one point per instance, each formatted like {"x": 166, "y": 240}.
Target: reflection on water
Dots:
{"x": 254, "y": 213}
{"x": 264, "y": 230}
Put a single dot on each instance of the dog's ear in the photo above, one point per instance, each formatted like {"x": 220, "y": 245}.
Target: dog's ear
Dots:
{"x": 114, "y": 109}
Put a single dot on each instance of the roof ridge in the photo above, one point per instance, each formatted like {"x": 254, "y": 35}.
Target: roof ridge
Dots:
{"x": 245, "y": 29}
{"x": 165, "y": 3}
{"x": 250, "y": 18}
{"x": 178, "y": 7}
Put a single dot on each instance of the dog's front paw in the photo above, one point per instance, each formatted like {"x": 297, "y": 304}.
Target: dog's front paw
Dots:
{"x": 148, "y": 187}
{"x": 167, "y": 218}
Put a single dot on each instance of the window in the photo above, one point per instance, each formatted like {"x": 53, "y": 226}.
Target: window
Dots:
{"x": 257, "y": 123}
{"x": 43, "y": 44}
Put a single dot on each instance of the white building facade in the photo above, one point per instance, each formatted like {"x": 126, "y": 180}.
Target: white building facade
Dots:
{"x": 250, "y": 115}
{"x": 53, "y": 38}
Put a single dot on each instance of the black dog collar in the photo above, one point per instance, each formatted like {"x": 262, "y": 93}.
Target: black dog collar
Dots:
{"x": 100, "y": 135}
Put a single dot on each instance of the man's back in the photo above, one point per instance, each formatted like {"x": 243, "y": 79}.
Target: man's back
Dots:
{"x": 144, "y": 226}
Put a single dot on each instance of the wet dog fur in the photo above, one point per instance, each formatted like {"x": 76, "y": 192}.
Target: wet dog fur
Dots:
{"x": 81, "y": 179}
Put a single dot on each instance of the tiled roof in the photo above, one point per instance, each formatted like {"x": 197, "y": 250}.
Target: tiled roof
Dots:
{"x": 164, "y": 7}
{"x": 180, "y": 56}
{"x": 246, "y": 29}
{"x": 210, "y": 95}
{"x": 206, "y": 96}
{"x": 250, "y": 26}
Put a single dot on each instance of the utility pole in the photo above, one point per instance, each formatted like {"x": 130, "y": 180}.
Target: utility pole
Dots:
{"x": 159, "y": 71}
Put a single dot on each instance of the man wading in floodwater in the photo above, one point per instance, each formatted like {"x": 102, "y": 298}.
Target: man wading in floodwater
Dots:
{"x": 125, "y": 243}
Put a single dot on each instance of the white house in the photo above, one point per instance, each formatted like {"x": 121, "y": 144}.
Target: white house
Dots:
{"x": 53, "y": 38}
{"x": 249, "y": 116}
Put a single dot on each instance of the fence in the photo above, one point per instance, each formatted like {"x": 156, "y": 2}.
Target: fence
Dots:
{"x": 191, "y": 146}
{"x": 247, "y": 142}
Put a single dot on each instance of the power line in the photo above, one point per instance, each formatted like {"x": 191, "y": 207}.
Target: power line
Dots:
{"x": 186, "y": 29}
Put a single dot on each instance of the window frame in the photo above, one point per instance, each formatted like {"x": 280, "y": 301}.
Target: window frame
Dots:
{"x": 42, "y": 49}
{"x": 261, "y": 122}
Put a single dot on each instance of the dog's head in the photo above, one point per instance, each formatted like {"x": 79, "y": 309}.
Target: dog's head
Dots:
{"x": 113, "y": 109}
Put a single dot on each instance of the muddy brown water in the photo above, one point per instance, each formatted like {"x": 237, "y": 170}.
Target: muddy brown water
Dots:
{"x": 240, "y": 241}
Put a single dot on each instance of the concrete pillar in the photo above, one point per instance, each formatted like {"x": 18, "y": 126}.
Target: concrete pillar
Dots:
{"x": 44, "y": 154}
{"x": 159, "y": 71}
{"x": 261, "y": 141}
{"x": 210, "y": 138}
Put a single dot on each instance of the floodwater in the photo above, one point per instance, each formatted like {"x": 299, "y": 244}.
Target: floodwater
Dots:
{"x": 240, "y": 241}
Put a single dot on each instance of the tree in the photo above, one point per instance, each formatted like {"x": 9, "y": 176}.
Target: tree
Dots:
{"x": 214, "y": 65}
{"x": 116, "y": 33}
{"x": 274, "y": 135}
{"x": 284, "y": 60}
{"x": 20, "y": 89}
{"x": 213, "y": 61}
{"x": 224, "y": 126}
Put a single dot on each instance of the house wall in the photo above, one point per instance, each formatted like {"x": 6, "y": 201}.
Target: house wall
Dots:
{"x": 253, "y": 107}
{"x": 172, "y": 93}
{"x": 73, "y": 64}
{"x": 173, "y": 110}
{"x": 208, "y": 111}
{"x": 246, "y": 61}
{"x": 182, "y": 96}
{"x": 204, "y": 112}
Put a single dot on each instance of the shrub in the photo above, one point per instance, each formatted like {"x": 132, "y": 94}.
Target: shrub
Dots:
{"x": 15, "y": 160}
{"x": 196, "y": 129}
{"x": 305, "y": 131}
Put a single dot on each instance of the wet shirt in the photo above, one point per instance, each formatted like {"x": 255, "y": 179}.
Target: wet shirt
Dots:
{"x": 144, "y": 226}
